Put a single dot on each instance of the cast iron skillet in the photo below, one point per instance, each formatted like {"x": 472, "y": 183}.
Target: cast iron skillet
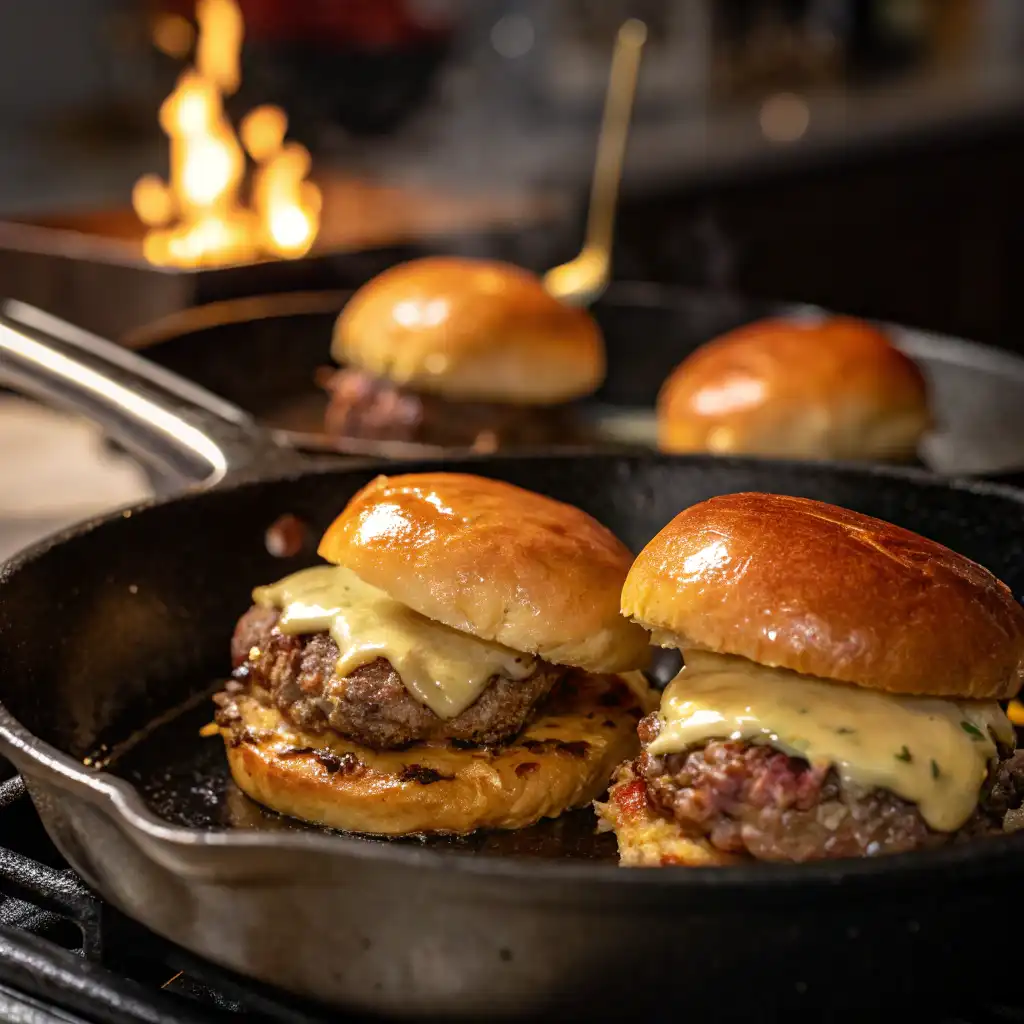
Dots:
{"x": 110, "y": 626}
{"x": 263, "y": 353}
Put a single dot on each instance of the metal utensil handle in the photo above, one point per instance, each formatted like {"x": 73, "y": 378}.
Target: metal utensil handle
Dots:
{"x": 184, "y": 434}
{"x": 611, "y": 143}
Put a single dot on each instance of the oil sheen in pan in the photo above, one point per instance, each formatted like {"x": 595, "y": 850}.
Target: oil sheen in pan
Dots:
{"x": 184, "y": 780}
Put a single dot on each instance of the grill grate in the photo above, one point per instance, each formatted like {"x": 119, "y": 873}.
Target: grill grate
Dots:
{"x": 66, "y": 957}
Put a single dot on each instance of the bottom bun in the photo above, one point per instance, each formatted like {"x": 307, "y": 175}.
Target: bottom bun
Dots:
{"x": 562, "y": 760}
{"x": 647, "y": 839}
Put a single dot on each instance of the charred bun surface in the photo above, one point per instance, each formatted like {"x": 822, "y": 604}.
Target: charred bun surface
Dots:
{"x": 562, "y": 760}
{"x": 494, "y": 560}
{"x": 472, "y": 330}
{"x": 832, "y": 389}
{"x": 804, "y": 585}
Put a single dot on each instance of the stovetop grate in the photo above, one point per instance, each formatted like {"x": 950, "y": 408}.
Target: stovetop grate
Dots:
{"x": 65, "y": 956}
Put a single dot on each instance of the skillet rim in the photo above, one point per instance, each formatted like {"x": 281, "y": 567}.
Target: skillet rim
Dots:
{"x": 126, "y": 800}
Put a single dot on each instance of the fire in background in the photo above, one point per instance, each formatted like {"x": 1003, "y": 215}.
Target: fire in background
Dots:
{"x": 211, "y": 212}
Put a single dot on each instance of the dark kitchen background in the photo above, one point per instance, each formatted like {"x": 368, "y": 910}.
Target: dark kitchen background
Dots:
{"x": 862, "y": 154}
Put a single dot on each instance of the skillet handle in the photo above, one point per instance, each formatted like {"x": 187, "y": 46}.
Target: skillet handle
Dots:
{"x": 184, "y": 435}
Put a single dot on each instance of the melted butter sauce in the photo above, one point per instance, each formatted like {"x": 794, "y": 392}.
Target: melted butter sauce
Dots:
{"x": 933, "y": 753}
{"x": 441, "y": 667}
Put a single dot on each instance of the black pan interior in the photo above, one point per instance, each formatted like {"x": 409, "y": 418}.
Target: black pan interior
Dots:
{"x": 111, "y": 630}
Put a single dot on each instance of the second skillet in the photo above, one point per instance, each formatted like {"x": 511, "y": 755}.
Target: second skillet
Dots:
{"x": 263, "y": 354}
{"x": 117, "y": 628}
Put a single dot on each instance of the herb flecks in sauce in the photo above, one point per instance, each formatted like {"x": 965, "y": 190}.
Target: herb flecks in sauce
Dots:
{"x": 873, "y": 740}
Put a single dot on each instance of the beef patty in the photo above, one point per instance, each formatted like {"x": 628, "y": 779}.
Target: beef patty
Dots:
{"x": 748, "y": 798}
{"x": 297, "y": 675}
{"x": 361, "y": 405}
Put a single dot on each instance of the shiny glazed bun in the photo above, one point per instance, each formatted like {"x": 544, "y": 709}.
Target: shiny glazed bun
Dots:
{"x": 494, "y": 560}
{"x": 832, "y": 389}
{"x": 562, "y": 760}
{"x": 803, "y": 585}
{"x": 473, "y": 330}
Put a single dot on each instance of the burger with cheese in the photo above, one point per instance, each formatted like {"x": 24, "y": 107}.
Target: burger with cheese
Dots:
{"x": 465, "y": 353}
{"x": 839, "y": 696}
{"x": 454, "y": 664}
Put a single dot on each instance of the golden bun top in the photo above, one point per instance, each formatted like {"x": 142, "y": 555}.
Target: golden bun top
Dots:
{"x": 803, "y": 585}
{"x": 471, "y": 329}
{"x": 496, "y": 561}
{"x": 833, "y": 388}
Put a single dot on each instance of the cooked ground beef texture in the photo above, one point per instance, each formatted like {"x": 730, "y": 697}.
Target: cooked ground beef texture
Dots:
{"x": 747, "y": 798}
{"x": 367, "y": 407}
{"x": 297, "y": 675}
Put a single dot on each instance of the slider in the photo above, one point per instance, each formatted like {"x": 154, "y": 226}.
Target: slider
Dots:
{"x": 457, "y": 662}
{"x": 465, "y": 353}
{"x": 840, "y": 694}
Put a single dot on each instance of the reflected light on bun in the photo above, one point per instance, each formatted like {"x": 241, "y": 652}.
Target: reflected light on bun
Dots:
{"x": 472, "y": 330}
{"x": 834, "y": 388}
{"x": 457, "y": 662}
{"x": 840, "y": 691}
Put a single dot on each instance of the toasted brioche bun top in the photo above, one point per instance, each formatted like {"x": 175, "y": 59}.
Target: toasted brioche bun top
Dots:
{"x": 473, "y": 330}
{"x": 496, "y": 561}
{"x": 834, "y": 388}
{"x": 799, "y": 584}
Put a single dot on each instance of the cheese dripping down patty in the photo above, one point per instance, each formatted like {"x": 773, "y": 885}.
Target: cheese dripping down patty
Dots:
{"x": 934, "y": 753}
{"x": 443, "y": 668}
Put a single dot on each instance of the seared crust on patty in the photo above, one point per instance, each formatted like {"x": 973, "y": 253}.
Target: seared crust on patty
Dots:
{"x": 562, "y": 760}
{"x": 297, "y": 676}
{"x": 752, "y": 799}
{"x": 732, "y": 799}
{"x": 647, "y": 838}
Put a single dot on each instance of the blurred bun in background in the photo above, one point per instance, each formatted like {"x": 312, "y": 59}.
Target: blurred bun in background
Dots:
{"x": 832, "y": 388}
{"x": 459, "y": 351}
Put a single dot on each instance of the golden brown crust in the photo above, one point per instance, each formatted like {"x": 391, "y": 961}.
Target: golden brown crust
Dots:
{"x": 818, "y": 589}
{"x": 494, "y": 560}
{"x": 563, "y": 760}
{"x": 647, "y": 839}
{"x": 831, "y": 388}
{"x": 471, "y": 329}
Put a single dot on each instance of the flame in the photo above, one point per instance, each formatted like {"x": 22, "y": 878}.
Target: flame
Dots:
{"x": 173, "y": 35}
{"x": 288, "y": 206}
{"x": 197, "y": 217}
{"x": 219, "y": 48}
{"x": 263, "y": 130}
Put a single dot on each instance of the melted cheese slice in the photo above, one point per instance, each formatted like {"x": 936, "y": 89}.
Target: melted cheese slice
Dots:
{"x": 441, "y": 667}
{"x": 934, "y": 753}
